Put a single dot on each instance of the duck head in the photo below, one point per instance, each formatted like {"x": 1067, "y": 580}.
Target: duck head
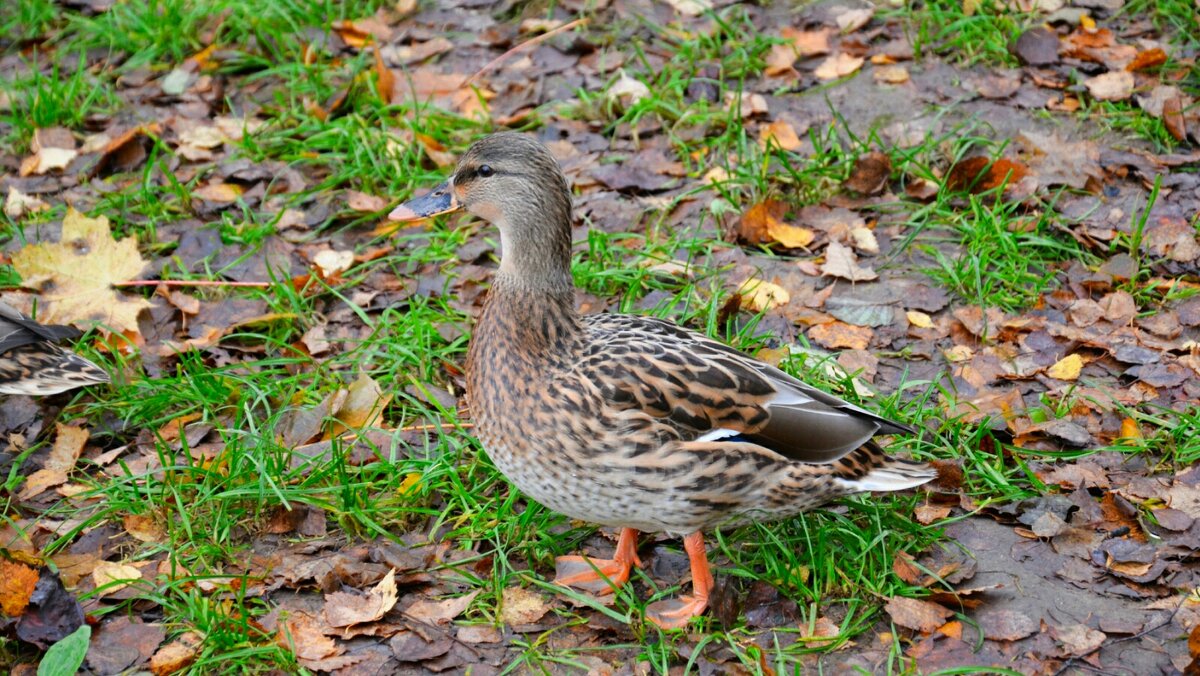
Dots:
{"x": 512, "y": 181}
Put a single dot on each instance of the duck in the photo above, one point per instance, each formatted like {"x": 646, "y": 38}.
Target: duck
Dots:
{"x": 31, "y": 361}
{"x": 629, "y": 421}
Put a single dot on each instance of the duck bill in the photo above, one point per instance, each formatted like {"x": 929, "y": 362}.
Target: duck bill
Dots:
{"x": 440, "y": 200}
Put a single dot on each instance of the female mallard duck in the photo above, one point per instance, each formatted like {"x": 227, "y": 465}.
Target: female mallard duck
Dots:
{"x": 31, "y": 363}
{"x": 633, "y": 421}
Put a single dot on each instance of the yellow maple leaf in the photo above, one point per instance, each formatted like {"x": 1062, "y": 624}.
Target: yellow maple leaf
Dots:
{"x": 1067, "y": 368}
{"x": 75, "y": 276}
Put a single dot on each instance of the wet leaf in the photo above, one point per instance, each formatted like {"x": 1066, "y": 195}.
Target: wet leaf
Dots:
{"x": 520, "y": 606}
{"x": 760, "y": 296}
{"x": 1067, "y": 368}
{"x": 1037, "y": 47}
{"x": 871, "y": 173}
{"x": 838, "y": 66}
{"x": 343, "y": 609}
{"x": 17, "y": 582}
{"x": 840, "y": 261}
{"x": 1006, "y": 625}
{"x": 76, "y": 274}
{"x": 922, "y": 616}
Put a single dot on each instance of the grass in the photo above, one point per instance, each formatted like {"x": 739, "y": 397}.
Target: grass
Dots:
{"x": 211, "y": 502}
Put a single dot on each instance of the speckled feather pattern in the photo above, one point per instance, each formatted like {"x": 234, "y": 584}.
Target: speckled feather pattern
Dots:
{"x": 597, "y": 417}
{"x": 633, "y": 421}
{"x": 32, "y": 364}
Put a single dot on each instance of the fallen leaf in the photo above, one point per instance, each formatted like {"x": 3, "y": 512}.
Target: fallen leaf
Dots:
{"x": 1037, "y": 47}
{"x": 779, "y": 61}
{"x": 112, "y": 577}
{"x": 1111, "y": 86}
{"x": 362, "y": 407}
{"x": 17, "y": 204}
{"x": 519, "y": 606}
{"x": 838, "y": 66}
{"x": 626, "y": 91}
{"x": 891, "y": 74}
{"x": 927, "y": 514}
{"x": 850, "y": 20}
{"x": 760, "y": 296}
{"x": 919, "y": 319}
{"x": 143, "y": 527}
{"x": 922, "y": 616}
{"x": 343, "y": 609}
{"x": 790, "y": 236}
{"x": 332, "y": 263}
{"x": 68, "y": 444}
{"x": 839, "y": 335}
{"x": 870, "y": 174}
{"x": 1078, "y": 639}
{"x": 48, "y": 159}
{"x": 754, "y": 227}
{"x": 691, "y": 7}
{"x": 1006, "y": 625}
{"x": 782, "y": 134}
{"x": 176, "y": 655}
{"x": 807, "y": 43}
{"x": 75, "y": 275}
{"x": 1149, "y": 58}
{"x": 1067, "y": 368}
{"x": 980, "y": 174}
{"x": 440, "y": 612}
{"x": 823, "y": 632}
{"x": 17, "y": 582}
{"x": 840, "y": 261}
{"x": 121, "y": 642}
{"x": 360, "y": 201}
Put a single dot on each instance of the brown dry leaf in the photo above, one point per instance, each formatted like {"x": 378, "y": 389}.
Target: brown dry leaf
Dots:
{"x": 1111, "y": 86}
{"x": 781, "y": 133}
{"x": 1078, "y": 639}
{"x": 363, "y": 406}
{"x": 306, "y": 638}
{"x": 1037, "y": 47}
{"x": 1067, "y": 368}
{"x": 343, "y": 609}
{"x": 922, "y": 616}
{"x": 839, "y": 335}
{"x": 779, "y": 61}
{"x": 980, "y": 174}
{"x": 755, "y": 225}
{"x": 218, "y": 191}
{"x": 521, "y": 606}
{"x": 838, "y": 66}
{"x": 822, "y": 632}
{"x": 17, "y": 204}
{"x": 891, "y": 74}
{"x": 17, "y": 582}
{"x": 851, "y": 20}
{"x": 385, "y": 80}
{"x": 1149, "y": 58}
{"x": 436, "y": 151}
{"x": 870, "y": 174}
{"x": 359, "y": 33}
{"x": 176, "y": 655}
{"x": 840, "y": 261}
{"x": 362, "y": 202}
{"x": 143, "y": 527}
{"x": 47, "y": 159}
{"x": 927, "y": 514}
{"x": 116, "y": 576}
{"x": 68, "y": 444}
{"x": 440, "y": 612}
{"x": 807, "y": 43}
{"x": 760, "y": 296}
{"x": 1056, "y": 161}
{"x": 1006, "y": 625}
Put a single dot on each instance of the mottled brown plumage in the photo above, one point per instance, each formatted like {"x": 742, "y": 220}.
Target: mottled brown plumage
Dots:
{"x": 31, "y": 363}
{"x": 632, "y": 421}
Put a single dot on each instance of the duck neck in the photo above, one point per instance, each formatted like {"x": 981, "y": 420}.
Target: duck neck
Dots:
{"x": 533, "y": 294}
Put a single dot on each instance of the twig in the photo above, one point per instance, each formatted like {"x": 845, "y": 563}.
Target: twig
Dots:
{"x": 189, "y": 282}
{"x": 532, "y": 42}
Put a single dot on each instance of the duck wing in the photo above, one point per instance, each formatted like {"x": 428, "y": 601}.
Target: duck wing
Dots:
{"x": 31, "y": 363}
{"x": 711, "y": 392}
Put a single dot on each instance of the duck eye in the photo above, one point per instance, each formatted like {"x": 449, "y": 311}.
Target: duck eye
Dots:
{"x": 485, "y": 170}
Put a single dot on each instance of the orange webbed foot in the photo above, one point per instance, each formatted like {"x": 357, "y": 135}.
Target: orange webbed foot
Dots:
{"x": 600, "y": 576}
{"x": 676, "y": 613}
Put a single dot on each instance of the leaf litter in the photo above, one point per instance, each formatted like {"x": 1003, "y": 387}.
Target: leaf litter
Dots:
{"x": 1084, "y": 367}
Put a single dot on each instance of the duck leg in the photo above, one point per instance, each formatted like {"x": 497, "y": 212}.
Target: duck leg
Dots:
{"x": 675, "y": 613}
{"x": 600, "y": 576}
